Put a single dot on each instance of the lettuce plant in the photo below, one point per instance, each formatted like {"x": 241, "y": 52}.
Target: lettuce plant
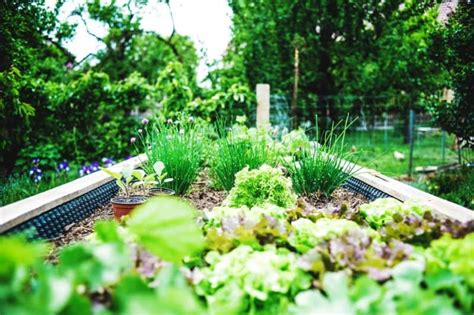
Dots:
{"x": 404, "y": 294}
{"x": 307, "y": 234}
{"x": 227, "y": 227}
{"x": 384, "y": 210}
{"x": 249, "y": 277}
{"x": 261, "y": 186}
{"x": 448, "y": 254}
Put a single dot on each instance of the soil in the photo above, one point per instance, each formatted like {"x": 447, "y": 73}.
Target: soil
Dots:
{"x": 204, "y": 197}
{"x": 339, "y": 197}
{"x": 79, "y": 231}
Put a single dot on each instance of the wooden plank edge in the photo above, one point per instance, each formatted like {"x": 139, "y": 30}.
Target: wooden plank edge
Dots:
{"x": 405, "y": 192}
{"x": 21, "y": 211}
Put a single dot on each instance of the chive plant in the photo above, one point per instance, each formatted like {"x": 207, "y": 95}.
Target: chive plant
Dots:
{"x": 326, "y": 166}
{"x": 233, "y": 153}
{"x": 180, "y": 147}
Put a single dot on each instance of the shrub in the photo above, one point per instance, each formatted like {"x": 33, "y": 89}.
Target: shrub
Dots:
{"x": 181, "y": 147}
{"x": 235, "y": 151}
{"x": 456, "y": 186}
{"x": 261, "y": 186}
{"x": 325, "y": 167}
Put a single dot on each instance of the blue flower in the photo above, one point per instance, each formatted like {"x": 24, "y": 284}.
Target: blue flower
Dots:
{"x": 94, "y": 166}
{"x": 36, "y": 161}
{"x": 108, "y": 162}
{"x": 85, "y": 170}
{"x": 63, "y": 167}
{"x": 36, "y": 173}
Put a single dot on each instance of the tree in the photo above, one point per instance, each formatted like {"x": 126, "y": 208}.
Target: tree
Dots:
{"x": 452, "y": 49}
{"x": 129, "y": 48}
{"x": 30, "y": 48}
{"x": 350, "y": 47}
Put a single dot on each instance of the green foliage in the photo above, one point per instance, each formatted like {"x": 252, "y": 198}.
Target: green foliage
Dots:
{"x": 180, "y": 147}
{"x": 164, "y": 225}
{"x": 103, "y": 272}
{"x": 384, "y": 210}
{"x": 456, "y": 186}
{"x": 450, "y": 254}
{"x": 324, "y": 167}
{"x": 234, "y": 151}
{"x": 17, "y": 187}
{"x": 250, "y": 277}
{"x": 215, "y": 104}
{"x": 389, "y": 43}
{"x": 403, "y": 294}
{"x": 451, "y": 50}
{"x": 174, "y": 90}
{"x": 261, "y": 186}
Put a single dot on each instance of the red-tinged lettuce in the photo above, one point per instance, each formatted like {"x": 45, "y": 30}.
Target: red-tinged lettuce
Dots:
{"x": 356, "y": 252}
{"x": 227, "y": 228}
{"x": 383, "y": 210}
{"x": 410, "y": 222}
{"x": 307, "y": 234}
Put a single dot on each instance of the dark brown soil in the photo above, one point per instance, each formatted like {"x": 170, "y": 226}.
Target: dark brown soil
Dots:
{"x": 204, "y": 197}
{"x": 339, "y": 197}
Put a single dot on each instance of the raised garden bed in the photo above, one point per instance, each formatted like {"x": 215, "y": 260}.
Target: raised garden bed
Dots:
{"x": 259, "y": 248}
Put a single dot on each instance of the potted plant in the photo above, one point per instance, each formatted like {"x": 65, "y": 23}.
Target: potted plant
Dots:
{"x": 161, "y": 178}
{"x": 123, "y": 205}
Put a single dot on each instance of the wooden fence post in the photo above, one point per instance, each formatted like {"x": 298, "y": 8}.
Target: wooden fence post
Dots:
{"x": 263, "y": 104}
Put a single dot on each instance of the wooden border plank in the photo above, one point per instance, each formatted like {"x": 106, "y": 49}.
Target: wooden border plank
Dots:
{"x": 404, "y": 192}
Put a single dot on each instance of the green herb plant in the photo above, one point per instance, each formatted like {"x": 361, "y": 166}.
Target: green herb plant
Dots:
{"x": 180, "y": 147}
{"x": 326, "y": 166}
{"x": 234, "y": 151}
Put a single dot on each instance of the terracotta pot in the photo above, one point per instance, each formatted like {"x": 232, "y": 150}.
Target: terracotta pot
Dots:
{"x": 124, "y": 205}
{"x": 160, "y": 191}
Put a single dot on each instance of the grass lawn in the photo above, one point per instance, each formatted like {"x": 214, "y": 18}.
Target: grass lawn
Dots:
{"x": 376, "y": 153}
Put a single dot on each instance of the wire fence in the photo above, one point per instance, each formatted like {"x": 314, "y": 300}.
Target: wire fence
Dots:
{"x": 384, "y": 135}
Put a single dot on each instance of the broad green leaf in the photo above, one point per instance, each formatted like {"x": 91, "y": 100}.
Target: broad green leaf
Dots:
{"x": 166, "y": 227}
{"x": 138, "y": 174}
{"x": 115, "y": 175}
{"x": 159, "y": 167}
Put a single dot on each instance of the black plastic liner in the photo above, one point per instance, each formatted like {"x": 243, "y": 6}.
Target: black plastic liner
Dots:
{"x": 51, "y": 224}
{"x": 358, "y": 186}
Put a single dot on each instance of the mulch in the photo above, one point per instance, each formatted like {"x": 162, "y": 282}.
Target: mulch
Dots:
{"x": 339, "y": 197}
